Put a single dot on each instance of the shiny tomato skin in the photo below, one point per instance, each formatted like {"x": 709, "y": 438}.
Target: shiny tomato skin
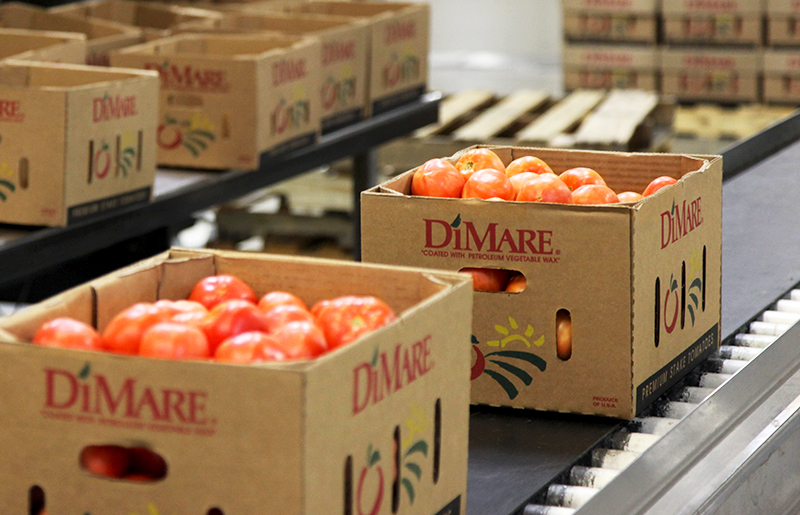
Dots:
{"x": 629, "y": 196}
{"x": 123, "y": 334}
{"x": 110, "y": 461}
{"x": 477, "y": 159}
{"x": 658, "y": 183}
{"x": 249, "y": 347}
{"x": 344, "y": 319}
{"x": 214, "y": 289}
{"x": 68, "y": 333}
{"x": 574, "y": 178}
{"x": 519, "y": 180}
{"x": 300, "y": 340}
{"x": 489, "y": 183}
{"x": 594, "y": 194}
{"x": 279, "y": 298}
{"x": 174, "y": 340}
{"x": 545, "y": 188}
{"x": 527, "y": 164}
{"x": 279, "y": 316}
{"x": 516, "y": 283}
{"x": 187, "y": 311}
{"x": 487, "y": 279}
{"x": 229, "y": 318}
{"x": 437, "y": 178}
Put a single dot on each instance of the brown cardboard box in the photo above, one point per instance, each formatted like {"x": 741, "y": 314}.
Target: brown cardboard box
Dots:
{"x": 299, "y": 438}
{"x": 713, "y": 21}
{"x": 720, "y": 74}
{"x": 39, "y": 45}
{"x": 343, "y": 64}
{"x": 623, "y": 21}
{"x": 399, "y": 46}
{"x": 782, "y": 75}
{"x": 783, "y": 22}
{"x": 78, "y": 141}
{"x": 155, "y": 20}
{"x": 597, "y": 66}
{"x": 608, "y": 266}
{"x": 101, "y": 35}
{"x": 225, "y": 99}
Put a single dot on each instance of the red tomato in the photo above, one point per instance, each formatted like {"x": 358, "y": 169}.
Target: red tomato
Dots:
{"x": 437, "y": 178}
{"x": 545, "y": 188}
{"x": 279, "y": 298}
{"x": 594, "y": 194}
{"x": 106, "y": 460}
{"x": 214, "y": 289}
{"x": 487, "y": 279}
{"x": 250, "y": 347}
{"x": 68, "y": 333}
{"x": 279, "y": 316}
{"x": 477, "y": 159}
{"x": 230, "y": 318}
{"x": 344, "y": 319}
{"x": 629, "y": 196}
{"x": 488, "y": 183}
{"x": 146, "y": 465}
{"x": 300, "y": 340}
{"x": 516, "y": 283}
{"x": 657, "y": 184}
{"x": 173, "y": 340}
{"x": 123, "y": 334}
{"x": 519, "y": 180}
{"x": 527, "y": 164}
{"x": 185, "y": 311}
{"x": 577, "y": 177}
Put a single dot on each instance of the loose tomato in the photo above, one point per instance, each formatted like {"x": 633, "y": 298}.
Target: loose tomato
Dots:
{"x": 594, "y": 194}
{"x": 146, "y": 465}
{"x": 300, "y": 340}
{"x": 250, "y": 347}
{"x": 577, "y": 177}
{"x": 487, "y": 279}
{"x": 437, "y": 178}
{"x": 477, "y": 159}
{"x": 173, "y": 340}
{"x": 658, "y": 183}
{"x": 184, "y": 311}
{"x": 527, "y": 164}
{"x": 344, "y": 319}
{"x": 68, "y": 333}
{"x": 545, "y": 188}
{"x": 214, "y": 289}
{"x": 629, "y": 196}
{"x": 279, "y": 316}
{"x": 230, "y": 318}
{"x": 488, "y": 183}
{"x": 516, "y": 283}
{"x": 106, "y": 460}
{"x": 123, "y": 334}
{"x": 279, "y": 298}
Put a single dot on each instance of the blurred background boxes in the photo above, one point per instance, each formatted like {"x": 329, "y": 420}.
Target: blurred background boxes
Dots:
{"x": 628, "y": 21}
{"x": 47, "y": 46}
{"x": 589, "y": 65}
{"x": 782, "y": 75}
{"x": 738, "y": 22}
{"x": 717, "y": 74}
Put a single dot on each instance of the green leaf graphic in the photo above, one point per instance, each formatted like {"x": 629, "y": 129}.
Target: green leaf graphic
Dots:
{"x": 531, "y": 358}
{"x": 694, "y": 299}
{"x": 673, "y": 206}
{"x": 205, "y": 134}
{"x": 674, "y": 285}
{"x": 197, "y": 141}
{"x": 697, "y": 283}
{"x": 191, "y": 148}
{"x": 524, "y": 376}
{"x": 456, "y": 222}
{"x": 474, "y": 340}
{"x": 85, "y": 371}
{"x": 129, "y": 151}
{"x": 414, "y": 469}
{"x": 421, "y": 446}
{"x": 127, "y": 161}
{"x": 375, "y": 458}
{"x": 691, "y": 313}
{"x": 3, "y": 196}
{"x": 409, "y": 489}
{"x": 374, "y": 362}
{"x": 510, "y": 389}
{"x": 7, "y": 184}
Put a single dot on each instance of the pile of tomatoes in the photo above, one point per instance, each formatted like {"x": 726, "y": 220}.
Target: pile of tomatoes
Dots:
{"x": 224, "y": 320}
{"x": 480, "y": 173}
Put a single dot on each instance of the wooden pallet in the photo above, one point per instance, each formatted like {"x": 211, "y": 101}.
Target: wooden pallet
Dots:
{"x": 622, "y": 120}
{"x": 711, "y": 121}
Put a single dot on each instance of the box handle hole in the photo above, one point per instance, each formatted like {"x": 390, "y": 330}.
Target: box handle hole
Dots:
{"x": 657, "y": 318}
{"x": 24, "y": 173}
{"x": 437, "y": 439}
{"x": 36, "y": 501}
{"x": 348, "y": 486}
{"x": 136, "y": 464}
{"x": 215, "y": 511}
{"x": 496, "y": 279}
{"x": 563, "y": 334}
{"x": 704, "y": 279}
{"x": 683, "y": 294}
{"x": 396, "y": 467}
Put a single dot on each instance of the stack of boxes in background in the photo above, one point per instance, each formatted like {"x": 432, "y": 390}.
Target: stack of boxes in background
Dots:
{"x": 782, "y": 56}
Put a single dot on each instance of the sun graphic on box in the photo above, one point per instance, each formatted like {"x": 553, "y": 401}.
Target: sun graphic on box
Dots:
{"x": 506, "y": 361}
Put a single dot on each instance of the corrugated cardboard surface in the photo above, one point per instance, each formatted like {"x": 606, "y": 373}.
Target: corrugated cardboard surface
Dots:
{"x": 711, "y": 73}
{"x": 781, "y": 28}
{"x": 46, "y": 46}
{"x": 588, "y": 65}
{"x": 781, "y": 75}
{"x": 225, "y": 99}
{"x": 72, "y": 110}
{"x": 617, "y": 27}
{"x": 713, "y": 21}
{"x": 740, "y": 7}
{"x": 643, "y": 7}
{"x": 588, "y": 260}
{"x": 292, "y": 427}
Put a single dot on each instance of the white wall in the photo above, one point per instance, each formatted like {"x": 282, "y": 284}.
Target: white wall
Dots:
{"x": 500, "y": 45}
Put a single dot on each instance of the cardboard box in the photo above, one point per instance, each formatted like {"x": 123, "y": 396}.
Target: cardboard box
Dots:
{"x": 607, "y": 265}
{"x": 717, "y": 74}
{"x": 783, "y": 23}
{"x": 343, "y": 64}
{"x": 38, "y": 45}
{"x": 782, "y": 75}
{"x": 399, "y": 46}
{"x": 102, "y": 36}
{"x": 737, "y": 22}
{"x": 623, "y": 21}
{"x": 226, "y": 99}
{"x": 301, "y": 438}
{"x": 595, "y": 66}
{"x": 155, "y": 20}
{"x": 78, "y": 141}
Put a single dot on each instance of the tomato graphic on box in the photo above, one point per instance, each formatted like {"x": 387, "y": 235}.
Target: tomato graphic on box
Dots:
{"x": 373, "y": 457}
{"x": 101, "y": 161}
{"x": 193, "y": 134}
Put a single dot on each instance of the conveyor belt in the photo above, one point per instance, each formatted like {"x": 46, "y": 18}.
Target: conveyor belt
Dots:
{"x": 760, "y": 264}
